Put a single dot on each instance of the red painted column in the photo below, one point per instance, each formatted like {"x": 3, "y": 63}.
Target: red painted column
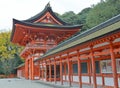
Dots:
{"x": 46, "y": 74}
{"x": 42, "y": 71}
{"x": 65, "y": 70}
{"x": 50, "y": 72}
{"x": 114, "y": 70}
{"x": 30, "y": 68}
{"x": 61, "y": 75}
{"x": 26, "y": 68}
{"x": 89, "y": 70}
{"x": 39, "y": 69}
{"x": 69, "y": 70}
{"x": 79, "y": 69}
{"x": 54, "y": 70}
{"x": 32, "y": 65}
{"x": 93, "y": 68}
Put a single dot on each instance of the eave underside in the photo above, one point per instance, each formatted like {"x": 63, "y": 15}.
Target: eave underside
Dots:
{"x": 22, "y": 32}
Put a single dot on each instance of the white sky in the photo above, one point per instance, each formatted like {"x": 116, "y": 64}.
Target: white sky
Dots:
{"x": 24, "y": 9}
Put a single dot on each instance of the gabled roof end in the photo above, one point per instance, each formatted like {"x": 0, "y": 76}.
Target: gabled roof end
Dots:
{"x": 48, "y": 4}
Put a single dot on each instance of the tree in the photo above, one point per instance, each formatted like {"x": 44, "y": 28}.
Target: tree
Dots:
{"x": 69, "y": 17}
{"x": 9, "y": 58}
{"x": 102, "y": 12}
{"x": 82, "y": 17}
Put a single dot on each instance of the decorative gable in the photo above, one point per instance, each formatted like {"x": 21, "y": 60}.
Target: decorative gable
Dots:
{"x": 47, "y": 18}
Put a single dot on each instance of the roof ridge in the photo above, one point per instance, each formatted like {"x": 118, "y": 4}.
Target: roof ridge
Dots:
{"x": 40, "y": 14}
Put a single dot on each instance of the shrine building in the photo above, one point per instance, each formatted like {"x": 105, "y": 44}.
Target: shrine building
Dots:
{"x": 53, "y": 53}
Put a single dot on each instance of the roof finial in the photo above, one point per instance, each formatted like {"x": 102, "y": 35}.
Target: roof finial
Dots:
{"x": 48, "y": 4}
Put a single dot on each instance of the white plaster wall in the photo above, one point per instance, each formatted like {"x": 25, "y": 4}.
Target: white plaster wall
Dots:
{"x": 85, "y": 79}
{"x": 43, "y": 79}
{"x": 36, "y": 77}
{"x": 63, "y": 77}
{"x": 99, "y": 80}
{"x": 91, "y": 80}
{"x": 75, "y": 78}
{"x": 67, "y": 77}
{"x": 119, "y": 81}
{"x": 109, "y": 81}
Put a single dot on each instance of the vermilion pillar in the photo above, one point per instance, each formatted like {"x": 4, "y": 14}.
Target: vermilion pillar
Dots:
{"x": 114, "y": 70}
{"x": 89, "y": 70}
{"x": 46, "y": 74}
{"x": 26, "y": 68}
{"x": 61, "y": 74}
{"x": 54, "y": 70}
{"x": 32, "y": 67}
{"x": 69, "y": 69}
{"x": 50, "y": 75}
{"x": 79, "y": 69}
{"x": 39, "y": 70}
{"x": 42, "y": 71}
{"x": 93, "y": 68}
{"x": 65, "y": 69}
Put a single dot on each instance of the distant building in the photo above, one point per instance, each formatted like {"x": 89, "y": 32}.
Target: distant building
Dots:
{"x": 91, "y": 57}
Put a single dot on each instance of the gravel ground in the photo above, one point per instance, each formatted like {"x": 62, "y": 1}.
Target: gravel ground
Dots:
{"x": 21, "y": 83}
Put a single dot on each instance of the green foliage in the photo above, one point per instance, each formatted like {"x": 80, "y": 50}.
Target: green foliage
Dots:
{"x": 102, "y": 12}
{"x": 9, "y": 58}
{"x": 93, "y": 15}
{"x": 70, "y": 17}
{"x": 82, "y": 17}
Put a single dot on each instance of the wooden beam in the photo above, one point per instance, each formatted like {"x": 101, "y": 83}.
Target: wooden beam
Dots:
{"x": 114, "y": 70}
{"x": 61, "y": 74}
{"x": 50, "y": 75}
{"x": 79, "y": 69}
{"x": 69, "y": 69}
{"x": 42, "y": 71}
{"x": 54, "y": 70}
{"x": 93, "y": 68}
{"x": 32, "y": 67}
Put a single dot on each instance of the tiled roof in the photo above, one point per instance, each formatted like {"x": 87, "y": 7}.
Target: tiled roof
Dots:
{"x": 104, "y": 28}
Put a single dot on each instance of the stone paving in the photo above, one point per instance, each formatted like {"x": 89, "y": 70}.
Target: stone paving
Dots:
{"x": 65, "y": 85}
{"x": 23, "y": 83}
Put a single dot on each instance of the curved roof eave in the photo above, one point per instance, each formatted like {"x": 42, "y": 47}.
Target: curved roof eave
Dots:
{"x": 40, "y": 25}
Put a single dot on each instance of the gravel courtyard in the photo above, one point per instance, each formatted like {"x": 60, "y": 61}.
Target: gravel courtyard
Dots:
{"x": 20, "y": 83}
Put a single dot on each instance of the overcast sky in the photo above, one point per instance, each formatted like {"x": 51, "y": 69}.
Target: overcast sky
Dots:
{"x": 24, "y": 9}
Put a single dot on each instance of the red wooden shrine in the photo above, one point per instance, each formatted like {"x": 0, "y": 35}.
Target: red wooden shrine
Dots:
{"x": 39, "y": 34}
{"x": 89, "y": 58}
